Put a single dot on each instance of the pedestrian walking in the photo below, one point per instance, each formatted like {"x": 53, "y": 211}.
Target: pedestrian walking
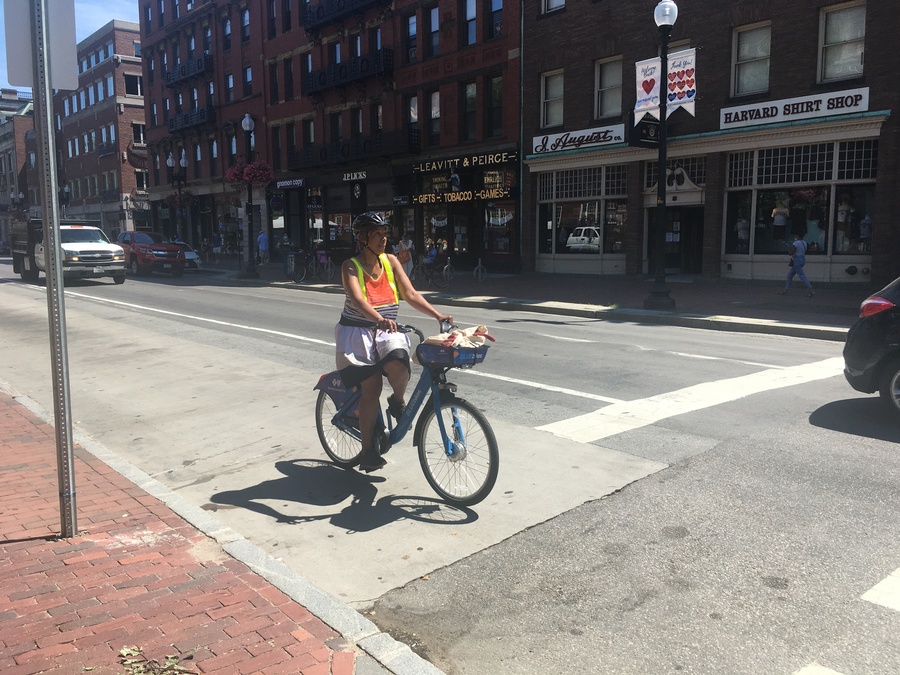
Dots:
{"x": 216, "y": 246}
{"x": 405, "y": 254}
{"x": 262, "y": 245}
{"x": 798, "y": 260}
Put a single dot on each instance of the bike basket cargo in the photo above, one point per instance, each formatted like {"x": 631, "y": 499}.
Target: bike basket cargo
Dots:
{"x": 436, "y": 355}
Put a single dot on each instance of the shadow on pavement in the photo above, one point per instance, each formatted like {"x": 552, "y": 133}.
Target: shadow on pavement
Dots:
{"x": 322, "y": 484}
{"x": 866, "y": 417}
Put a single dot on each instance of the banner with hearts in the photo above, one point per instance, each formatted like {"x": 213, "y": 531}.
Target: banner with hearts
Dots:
{"x": 647, "y": 87}
{"x": 678, "y": 86}
{"x": 682, "y": 79}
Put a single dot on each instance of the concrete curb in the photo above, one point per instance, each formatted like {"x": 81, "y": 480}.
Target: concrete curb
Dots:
{"x": 393, "y": 655}
{"x": 617, "y": 314}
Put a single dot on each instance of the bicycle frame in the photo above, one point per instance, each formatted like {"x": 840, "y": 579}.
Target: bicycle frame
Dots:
{"x": 432, "y": 380}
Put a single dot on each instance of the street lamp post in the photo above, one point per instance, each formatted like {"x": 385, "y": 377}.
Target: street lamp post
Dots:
{"x": 178, "y": 179}
{"x": 664, "y": 15}
{"x": 247, "y": 125}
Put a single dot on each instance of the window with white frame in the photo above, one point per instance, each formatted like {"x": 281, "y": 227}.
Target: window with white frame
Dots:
{"x": 608, "y": 85}
{"x": 552, "y": 5}
{"x": 552, "y": 99}
{"x": 842, "y": 42}
{"x": 752, "y": 49}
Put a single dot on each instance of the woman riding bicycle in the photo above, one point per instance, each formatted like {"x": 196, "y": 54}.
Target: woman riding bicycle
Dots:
{"x": 367, "y": 342}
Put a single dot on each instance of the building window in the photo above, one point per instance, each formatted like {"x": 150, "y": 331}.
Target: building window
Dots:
{"x": 356, "y": 121}
{"x": 133, "y": 85}
{"x": 191, "y": 47}
{"x": 335, "y": 53}
{"x": 289, "y": 79}
{"x": 471, "y": 33}
{"x": 197, "y": 160}
{"x": 309, "y": 133}
{"x": 583, "y": 211}
{"x": 552, "y": 5}
{"x": 195, "y": 98}
{"x": 495, "y": 27}
{"x": 752, "y": 49}
{"x": 608, "y": 85}
{"x": 226, "y": 35}
{"x": 153, "y": 116}
{"x": 469, "y": 108}
{"x": 229, "y": 88}
{"x": 148, "y": 18}
{"x": 272, "y": 17}
{"x": 355, "y": 46}
{"x": 412, "y": 112}
{"x": 245, "y": 25}
{"x": 207, "y": 40}
{"x": 434, "y": 119}
{"x": 434, "y": 32}
{"x": 842, "y": 42}
{"x": 176, "y": 11}
{"x": 375, "y": 39}
{"x": 552, "y": 99}
{"x": 337, "y": 127}
{"x": 495, "y": 111}
{"x": 248, "y": 81}
{"x": 151, "y": 69}
{"x": 273, "y": 83}
{"x": 291, "y": 134}
{"x": 378, "y": 118}
{"x": 161, "y": 13}
{"x": 411, "y": 38}
{"x": 286, "y": 16}
{"x": 276, "y": 148}
{"x": 232, "y": 150}
{"x": 211, "y": 94}
{"x": 213, "y": 157}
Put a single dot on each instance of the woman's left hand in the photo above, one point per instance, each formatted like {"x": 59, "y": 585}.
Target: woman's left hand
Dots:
{"x": 387, "y": 325}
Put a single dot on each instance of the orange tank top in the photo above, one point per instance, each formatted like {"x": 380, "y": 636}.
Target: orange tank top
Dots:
{"x": 379, "y": 292}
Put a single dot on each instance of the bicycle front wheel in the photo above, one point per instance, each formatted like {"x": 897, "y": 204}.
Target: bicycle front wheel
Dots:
{"x": 300, "y": 268}
{"x": 465, "y": 472}
{"x": 327, "y": 270}
{"x": 443, "y": 277}
{"x": 343, "y": 449}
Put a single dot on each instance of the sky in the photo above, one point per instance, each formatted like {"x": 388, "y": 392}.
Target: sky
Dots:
{"x": 89, "y": 16}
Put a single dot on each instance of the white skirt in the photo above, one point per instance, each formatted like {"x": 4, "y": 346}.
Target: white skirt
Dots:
{"x": 357, "y": 346}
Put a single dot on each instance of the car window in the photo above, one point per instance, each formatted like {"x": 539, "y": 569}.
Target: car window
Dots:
{"x": 147, "y": 238}
{"x": 88, "y": 235}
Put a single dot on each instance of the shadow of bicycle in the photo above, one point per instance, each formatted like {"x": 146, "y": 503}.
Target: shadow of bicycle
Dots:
{"x": 320, "y": 485}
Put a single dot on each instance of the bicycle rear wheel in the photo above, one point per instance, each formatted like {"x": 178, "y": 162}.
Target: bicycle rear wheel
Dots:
{"x": 466, "y": 474}
{"x": 343, "y": 449}
{"x": 300, "y": 269}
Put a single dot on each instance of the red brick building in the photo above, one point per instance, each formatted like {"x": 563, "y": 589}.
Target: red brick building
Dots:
{"x": 100, "y": 133}
{"x": 795, "y": 131}
{"x": 409, "y": 109}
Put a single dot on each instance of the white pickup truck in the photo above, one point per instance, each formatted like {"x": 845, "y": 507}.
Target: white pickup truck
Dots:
{"x": 85, "y": 252}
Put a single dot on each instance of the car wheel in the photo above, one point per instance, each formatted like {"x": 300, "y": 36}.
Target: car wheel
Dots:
{"x": 135, "y": 270}
{"x": 119, "y": 278}
{"x": 890, "y": 385}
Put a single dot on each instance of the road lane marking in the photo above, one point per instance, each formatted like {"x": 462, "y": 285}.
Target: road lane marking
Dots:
{"x": 707, "y": 357}
{"x": 255, "y": 329}
{"x": 627, "y": 416}
{"x": 545, "y": 387}
{"x": 886, "y": 592}
{"x": 565, "y": 339}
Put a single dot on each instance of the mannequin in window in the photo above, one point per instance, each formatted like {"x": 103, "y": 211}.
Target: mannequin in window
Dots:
{"x": 742, "y": 227}
{"x": 844, "y": 211}
{"x": 865, "y": 233}
{"x": 779, "y": 220}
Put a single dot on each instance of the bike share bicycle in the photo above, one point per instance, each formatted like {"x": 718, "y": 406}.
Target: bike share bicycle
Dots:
{"x": 456, "y": 445}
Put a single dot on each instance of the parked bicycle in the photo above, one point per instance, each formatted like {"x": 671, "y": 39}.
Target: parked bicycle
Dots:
{"x": 302, "y": 260}
{"x": 480, "y": 272}
{"x": 456, "y": 445}
{"x": 322, "y": 265}
{"x": 434, "y": 273}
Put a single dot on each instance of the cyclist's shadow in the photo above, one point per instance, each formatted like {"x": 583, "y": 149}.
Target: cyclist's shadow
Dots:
{"x": 319, "y": 483}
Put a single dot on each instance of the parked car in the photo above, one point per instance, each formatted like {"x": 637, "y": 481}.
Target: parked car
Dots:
{"x": 584, "y": 240}
{"x": 147, "y": 252}
{"x": 872, "y": 349}
{"x": 191, "y": 257}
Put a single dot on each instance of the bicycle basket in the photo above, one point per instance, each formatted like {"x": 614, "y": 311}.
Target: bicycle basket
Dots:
{"x": 456, "y": 357}
{"x": 322, "y": 256}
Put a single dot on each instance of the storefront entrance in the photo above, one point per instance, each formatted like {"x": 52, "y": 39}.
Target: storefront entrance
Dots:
{"x": 684, "y": 239}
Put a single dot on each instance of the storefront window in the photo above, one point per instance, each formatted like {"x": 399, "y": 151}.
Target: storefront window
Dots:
{"x": 782, "y": 213}
{"x": 854, "y": 207}
{"x": 737, "y": 226}
{"x": 500, "y": 219}
{"x": 614, "y": 226}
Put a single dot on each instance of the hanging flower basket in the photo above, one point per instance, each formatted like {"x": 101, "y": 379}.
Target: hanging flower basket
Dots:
{"x": 255, "y": 173}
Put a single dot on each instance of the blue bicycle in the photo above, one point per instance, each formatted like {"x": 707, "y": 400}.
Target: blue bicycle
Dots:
{"x": 457, "y": 448}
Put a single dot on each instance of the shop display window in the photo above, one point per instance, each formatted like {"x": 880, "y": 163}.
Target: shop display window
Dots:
{"x": 782, "y": 213}
{"x": 737, "y": 228}
{"x": 854, "y": 206}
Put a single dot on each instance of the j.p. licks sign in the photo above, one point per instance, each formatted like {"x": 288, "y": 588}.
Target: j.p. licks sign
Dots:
{"x": 791, "y": 109}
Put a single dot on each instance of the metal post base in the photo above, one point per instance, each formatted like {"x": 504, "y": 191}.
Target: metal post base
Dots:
{"x": 659, "y": 297}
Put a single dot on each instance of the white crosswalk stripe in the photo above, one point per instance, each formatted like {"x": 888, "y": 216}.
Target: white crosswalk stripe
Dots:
{"x": 886, "y": 592}
{"x": 629, "y": 415}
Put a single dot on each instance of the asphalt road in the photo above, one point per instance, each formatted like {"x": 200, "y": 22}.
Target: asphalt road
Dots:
{"x": 670, "y": 500}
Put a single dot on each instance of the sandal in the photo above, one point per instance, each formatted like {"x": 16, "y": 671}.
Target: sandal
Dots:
{"x": 395, "y": 407}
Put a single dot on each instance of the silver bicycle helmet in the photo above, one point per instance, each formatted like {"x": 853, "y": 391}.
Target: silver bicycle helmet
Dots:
{"x": 368, "y": 221}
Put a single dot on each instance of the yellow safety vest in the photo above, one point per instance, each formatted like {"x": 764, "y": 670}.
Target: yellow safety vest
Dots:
{"x": 386, "y": 265}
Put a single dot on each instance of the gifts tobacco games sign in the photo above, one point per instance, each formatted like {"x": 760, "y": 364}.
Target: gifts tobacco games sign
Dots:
{"x": 490, "y": 179}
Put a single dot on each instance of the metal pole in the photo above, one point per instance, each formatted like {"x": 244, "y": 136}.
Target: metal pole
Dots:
{"x": 659, "y": 297}
{"x": 43, "y": 125}
{"x": 251, "y": 272}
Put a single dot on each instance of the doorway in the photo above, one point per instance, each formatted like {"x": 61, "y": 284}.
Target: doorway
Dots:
{"x": 684, "y": 239}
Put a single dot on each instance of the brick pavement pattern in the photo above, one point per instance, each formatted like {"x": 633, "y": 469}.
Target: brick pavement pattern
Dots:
{"x": 137, "y": 575}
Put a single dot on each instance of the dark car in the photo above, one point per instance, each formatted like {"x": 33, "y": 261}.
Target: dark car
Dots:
{"x": 872, "y": 350}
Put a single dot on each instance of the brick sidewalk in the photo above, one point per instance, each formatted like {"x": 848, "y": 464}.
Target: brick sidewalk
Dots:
{"x": 137, "y": 575}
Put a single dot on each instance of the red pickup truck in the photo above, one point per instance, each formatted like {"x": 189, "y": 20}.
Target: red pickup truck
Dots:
{"x": 147, "y": 252}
